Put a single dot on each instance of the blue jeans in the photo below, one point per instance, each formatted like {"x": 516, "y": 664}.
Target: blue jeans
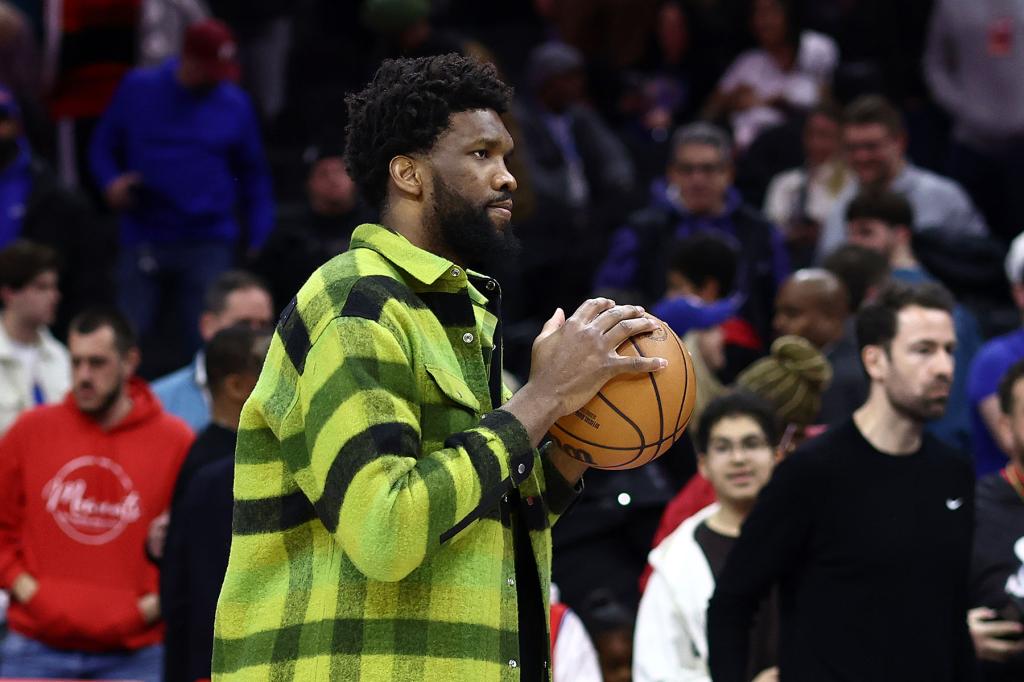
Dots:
{"x": 24, "y": 657}
{"x": 187, "y": 269}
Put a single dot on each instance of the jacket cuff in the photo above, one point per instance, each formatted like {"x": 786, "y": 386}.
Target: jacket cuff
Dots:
{"x": 511, "y": 432}
{"x": 559, "y": 494}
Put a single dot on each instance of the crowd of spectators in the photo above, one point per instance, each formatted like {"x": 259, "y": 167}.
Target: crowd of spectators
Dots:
{"x": 770, "y": 177}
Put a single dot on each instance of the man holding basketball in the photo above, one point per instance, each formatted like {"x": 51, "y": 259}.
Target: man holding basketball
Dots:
{"x": 392, "y": 515}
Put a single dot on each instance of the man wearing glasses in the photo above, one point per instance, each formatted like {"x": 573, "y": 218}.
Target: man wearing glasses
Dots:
{"x": 875, "y": 145}
{"x": 696, "y": 195}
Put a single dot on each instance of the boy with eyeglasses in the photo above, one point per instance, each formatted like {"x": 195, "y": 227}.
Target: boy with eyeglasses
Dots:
{"x": 736, "y": 440}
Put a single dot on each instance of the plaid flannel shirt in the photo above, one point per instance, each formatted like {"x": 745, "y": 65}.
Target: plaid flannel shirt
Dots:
{"x": 369, "y": 538}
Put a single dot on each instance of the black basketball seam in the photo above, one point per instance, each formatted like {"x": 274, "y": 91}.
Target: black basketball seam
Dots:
{"x": 613, "y": 447}
{"x": 686, "y": 385}
{"x": 657, "y": 395}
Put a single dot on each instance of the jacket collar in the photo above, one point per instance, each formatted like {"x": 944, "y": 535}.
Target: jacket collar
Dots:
{"x": 422, "y": 265}
{"x": 47, "y": 344}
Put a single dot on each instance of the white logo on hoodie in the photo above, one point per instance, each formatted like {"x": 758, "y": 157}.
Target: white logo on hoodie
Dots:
{"x": 92, "y": 499}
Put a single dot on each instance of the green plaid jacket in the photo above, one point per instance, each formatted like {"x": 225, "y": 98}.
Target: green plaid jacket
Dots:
{"x": 368, "y": 539}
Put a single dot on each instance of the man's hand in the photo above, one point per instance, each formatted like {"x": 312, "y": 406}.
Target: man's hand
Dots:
{"x": 156, "y": 537}
{"x": 574, "y": 358}
{"x": 990, "y": 635}
{"x": 24, "y": 588}
{"x": 119, "y": 191}
{"x": 767, "y": 675}
{"x": 149, "y": 607}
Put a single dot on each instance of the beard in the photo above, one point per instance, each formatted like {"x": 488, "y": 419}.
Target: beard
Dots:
{"x": 105, "y": 404}
{"x": 918, "y": 408}
{"x": 468, "y": 231}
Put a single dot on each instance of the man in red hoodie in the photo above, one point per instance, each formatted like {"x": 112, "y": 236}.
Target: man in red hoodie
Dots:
{"x": 81, "y": 482}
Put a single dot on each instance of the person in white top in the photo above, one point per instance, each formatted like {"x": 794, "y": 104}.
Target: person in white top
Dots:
{"x": 573, "y": 656}
{"x": 790, "y": 69}
{"x": 34, "y": 367}
{"x": 736, "y": 441}
{"x": 800, "y": 200}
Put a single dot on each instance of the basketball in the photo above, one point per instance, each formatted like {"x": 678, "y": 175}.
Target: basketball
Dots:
{"x": 635, "y": 418}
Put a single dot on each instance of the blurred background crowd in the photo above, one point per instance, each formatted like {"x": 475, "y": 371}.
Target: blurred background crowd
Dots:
{"x": 750, "y": 170}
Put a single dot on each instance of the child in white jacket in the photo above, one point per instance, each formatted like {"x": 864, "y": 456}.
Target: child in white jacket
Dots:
{"x": 736, "y": 442}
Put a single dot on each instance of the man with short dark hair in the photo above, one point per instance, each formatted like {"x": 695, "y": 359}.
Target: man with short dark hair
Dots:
{"x": 393, "y": 514}
{"x": 34, "y": 367}
{"x": 997, "y": 622}
{"x": 235, "y": 297}
{"x": 83, "y": 479}
{"x": 881, "y": 220}
{"x": 199, "y": 535}
{"x": 875, "y": 144}
{"x": 696, "y": 195}
{"x": 867, "y": 528}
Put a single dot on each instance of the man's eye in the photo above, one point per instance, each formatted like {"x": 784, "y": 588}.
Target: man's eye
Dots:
{"x": 480, "y": 153}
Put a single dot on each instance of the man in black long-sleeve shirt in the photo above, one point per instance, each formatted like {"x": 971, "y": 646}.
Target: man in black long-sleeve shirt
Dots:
{"x": 199, "y": 535}
{"x": 867, "y": 529}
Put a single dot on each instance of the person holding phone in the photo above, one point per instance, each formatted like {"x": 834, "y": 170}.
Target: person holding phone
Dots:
{"x": 997, "y": 565}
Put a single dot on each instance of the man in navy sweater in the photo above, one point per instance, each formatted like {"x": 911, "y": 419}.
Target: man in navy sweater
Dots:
{"x": 178, "y": 154}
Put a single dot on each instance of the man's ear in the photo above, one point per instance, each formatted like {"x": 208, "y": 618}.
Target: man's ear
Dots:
{"x": 131, "y": 361}
{"x": 407, "y": 175}
{"x": 876, "y": 361}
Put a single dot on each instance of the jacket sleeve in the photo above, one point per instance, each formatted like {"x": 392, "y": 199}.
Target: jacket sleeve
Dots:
{"x": 772, "y": 540}
{"x": 12, "y": 509}
{"x": 389, "y": 505}
{"x": 662, "y": 648}
{"x": 256, "y": 191}
{"x": 107, "y": 146}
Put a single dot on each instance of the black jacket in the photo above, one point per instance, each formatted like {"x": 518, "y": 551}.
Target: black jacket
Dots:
{"x": 63, "y": 219}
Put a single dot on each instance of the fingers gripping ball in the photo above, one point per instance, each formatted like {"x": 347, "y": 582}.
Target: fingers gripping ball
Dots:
{"x": 635, "y": 418}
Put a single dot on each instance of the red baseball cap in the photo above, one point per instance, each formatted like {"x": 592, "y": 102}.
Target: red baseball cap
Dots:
{"x": 212, "y": 43}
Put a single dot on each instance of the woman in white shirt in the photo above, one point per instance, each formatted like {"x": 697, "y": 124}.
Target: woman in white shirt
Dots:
{"x": 790, "y": 69}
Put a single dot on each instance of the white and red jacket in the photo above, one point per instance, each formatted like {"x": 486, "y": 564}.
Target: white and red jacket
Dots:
{"x": 76, "y": 505}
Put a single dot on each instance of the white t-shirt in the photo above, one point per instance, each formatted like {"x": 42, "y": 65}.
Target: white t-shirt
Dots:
{"x": 801, "y": 86}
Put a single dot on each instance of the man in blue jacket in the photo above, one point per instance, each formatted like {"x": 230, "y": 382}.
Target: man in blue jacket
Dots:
{"x": 178, "y": 153}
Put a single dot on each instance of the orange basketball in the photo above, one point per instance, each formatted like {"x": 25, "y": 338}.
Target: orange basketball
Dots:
{"x": 635, "y": 418}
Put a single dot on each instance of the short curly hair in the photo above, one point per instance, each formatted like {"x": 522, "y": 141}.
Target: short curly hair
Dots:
{"x": 407, "y": 106}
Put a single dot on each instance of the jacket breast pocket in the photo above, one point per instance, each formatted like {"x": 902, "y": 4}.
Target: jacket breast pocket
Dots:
{"x": 453, "y": 387}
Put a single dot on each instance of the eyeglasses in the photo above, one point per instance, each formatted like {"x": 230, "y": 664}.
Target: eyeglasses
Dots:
{"x": 695, "y": 168}
{"x": 748, "y": 446}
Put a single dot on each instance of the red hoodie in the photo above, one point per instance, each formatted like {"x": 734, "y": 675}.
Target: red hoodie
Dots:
{"x": 76, "y": 507}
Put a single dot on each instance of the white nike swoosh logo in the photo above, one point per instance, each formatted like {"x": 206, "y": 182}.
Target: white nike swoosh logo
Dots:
{"x": 953, "y": 505}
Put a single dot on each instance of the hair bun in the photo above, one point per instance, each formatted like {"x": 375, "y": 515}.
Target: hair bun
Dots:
{"x": 797, "y": 355}
{"x": 791, "y": 379}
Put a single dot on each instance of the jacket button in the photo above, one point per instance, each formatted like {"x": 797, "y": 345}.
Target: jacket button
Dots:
{"x": 468, "y": 337}
{"x": 490, "y": 285}
{"x": 512, "y": 663}
{"x": 521, "y": 469}
{"x": 511, "y": 582}
{"x": 456, "y": 272}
